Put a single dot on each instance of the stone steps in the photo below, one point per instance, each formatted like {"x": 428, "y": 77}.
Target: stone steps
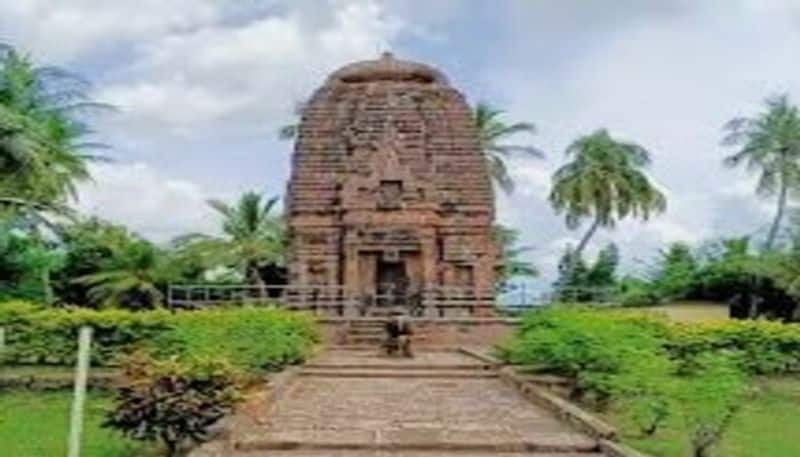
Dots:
{"x": 399, "y": 373}
{"x": 367, "y": 453}
{"x": 438, "y": 404}
{"x": 397, "y": 366}
{"x": 419, "y": 440}
{"x": 366, "y": 340}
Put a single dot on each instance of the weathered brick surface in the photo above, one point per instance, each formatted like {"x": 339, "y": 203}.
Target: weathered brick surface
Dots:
{"x": 387, "y": 168}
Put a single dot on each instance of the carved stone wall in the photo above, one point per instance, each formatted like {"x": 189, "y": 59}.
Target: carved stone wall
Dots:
{"x": 387, "y": 174}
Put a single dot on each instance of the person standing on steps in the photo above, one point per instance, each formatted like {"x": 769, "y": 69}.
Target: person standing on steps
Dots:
{"x": 399, "y": 334}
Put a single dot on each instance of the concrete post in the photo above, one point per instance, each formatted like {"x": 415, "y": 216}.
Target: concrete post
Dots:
{"x": 81, "y": 376}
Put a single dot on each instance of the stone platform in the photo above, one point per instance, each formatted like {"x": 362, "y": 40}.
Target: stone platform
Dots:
{"x": 361, "y": 404}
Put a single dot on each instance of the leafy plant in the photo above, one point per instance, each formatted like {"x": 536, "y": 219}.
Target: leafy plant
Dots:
{"x": 175, "y": 402}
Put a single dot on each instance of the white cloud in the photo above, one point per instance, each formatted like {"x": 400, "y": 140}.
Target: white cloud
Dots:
{"x": 245, "y": 76}
{"x": 202, "y": 85}
{"x": 147, "y": 201}
{"x": 65, "y": 30}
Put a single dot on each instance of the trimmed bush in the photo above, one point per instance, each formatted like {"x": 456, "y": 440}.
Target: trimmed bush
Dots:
{"x": 608, "y": 353}
{"x": 649, "y": 368}
{"x": 570, "y": 340}
{"x": 252, "y": 338}
{"x": 761, "y": 347}
{"x": 247, "y": 337}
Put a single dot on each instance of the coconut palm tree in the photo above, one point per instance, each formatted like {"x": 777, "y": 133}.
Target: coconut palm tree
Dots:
{"x": 769, "y": 144}
{"x": 42, "y": 155}
{"x": 253, "y": 237}
{"x": 604, "y": 182}
{"x": 492, "y": 132}
{"x": 511, "y": 253}
{"x": 134, "y": 277}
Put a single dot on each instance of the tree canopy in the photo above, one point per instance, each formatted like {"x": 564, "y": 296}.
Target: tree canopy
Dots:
{"x": 604, "y": 181}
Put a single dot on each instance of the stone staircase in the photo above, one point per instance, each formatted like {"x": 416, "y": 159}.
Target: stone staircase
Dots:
{"x": 366, "y": 333}
{"x": 441, "y": 403}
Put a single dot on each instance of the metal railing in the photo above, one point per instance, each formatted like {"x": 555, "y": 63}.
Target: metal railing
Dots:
{"x": 335, "y": 300}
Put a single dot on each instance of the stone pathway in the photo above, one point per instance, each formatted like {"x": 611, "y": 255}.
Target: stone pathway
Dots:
{"x": 360, "y": 404}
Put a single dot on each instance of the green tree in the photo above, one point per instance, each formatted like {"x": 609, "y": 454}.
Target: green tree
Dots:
{"x": 675, "y": 272}
{"x": 135, "y": 277}
{"x": 769, "y": 144}
{"x": 493, "y": 130}
{"x": 25, "y": 264}
{"x": 511, "y": 253}
{"x": 603, "y": 273}
{"x": 87, "y": 246}
{"x": 604, "y": 182}
{"x": 42, "y": 133}
{"x": 253, "y": 237}
{"x": 581, "y": 282}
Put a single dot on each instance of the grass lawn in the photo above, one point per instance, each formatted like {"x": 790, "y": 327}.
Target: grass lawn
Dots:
{"x": 768, "y": 425}
{"x": 35, "y": 424}
{"x": 691, "y": 311}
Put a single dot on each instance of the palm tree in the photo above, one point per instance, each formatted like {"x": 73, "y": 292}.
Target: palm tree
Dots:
{"x": 492, "y": 131}
{"x": 252, "y": 238}
{"x": 42, "y": 156}
{"x": 604, "y": 182}
{"x": 133, "y": 277}
{"x": 769, "y": 144}
{"x": 511, "y": 255}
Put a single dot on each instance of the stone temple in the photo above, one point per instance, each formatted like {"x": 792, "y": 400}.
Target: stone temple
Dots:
{"x": 389, "y": 192}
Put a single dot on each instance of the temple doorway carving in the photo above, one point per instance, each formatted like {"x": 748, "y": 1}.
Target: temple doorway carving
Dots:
{"x": 391, "y": 282}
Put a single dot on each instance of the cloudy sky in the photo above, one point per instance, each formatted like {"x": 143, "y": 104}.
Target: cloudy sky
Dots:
{"x": 203, "y": 85}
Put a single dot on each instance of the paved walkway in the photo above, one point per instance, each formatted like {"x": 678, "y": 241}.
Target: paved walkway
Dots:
{"x": 360, "y": 404}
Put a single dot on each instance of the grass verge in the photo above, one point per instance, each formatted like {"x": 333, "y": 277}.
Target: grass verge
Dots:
{"x": 766, "y": 426}
{"x": 35, "y": 424}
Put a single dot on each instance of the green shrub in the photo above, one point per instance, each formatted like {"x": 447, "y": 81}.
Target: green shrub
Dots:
{"x": 37, "y": 335}
{"x": 709, "y": 398}
{"x": 176, "y": 403}
{"x": 761, "y": 347}
{"x": 650, "y": 369}
{"x": 604, "y": 351}
{"x": 247, "y": 337}
{"x": 252, "y": 338}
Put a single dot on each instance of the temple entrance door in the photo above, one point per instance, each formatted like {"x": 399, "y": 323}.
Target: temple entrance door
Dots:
{"x": 391, "y": 283}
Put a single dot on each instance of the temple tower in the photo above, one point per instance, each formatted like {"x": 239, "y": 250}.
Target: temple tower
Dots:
{"x": 389, "y": 189}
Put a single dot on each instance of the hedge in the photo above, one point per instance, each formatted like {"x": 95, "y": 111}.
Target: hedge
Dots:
{"x": 249, "y": 337}
{"x": 762, "y": 347}
{"x": 573, "y": 339}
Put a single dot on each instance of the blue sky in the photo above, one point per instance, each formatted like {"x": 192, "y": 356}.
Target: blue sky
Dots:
{"x": 202, "y": 86}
